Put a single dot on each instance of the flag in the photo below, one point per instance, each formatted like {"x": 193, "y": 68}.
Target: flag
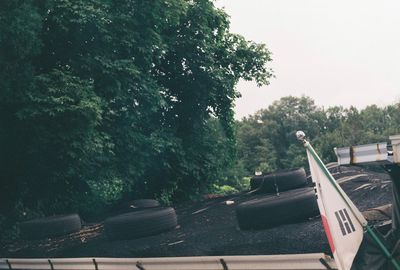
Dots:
{"x": 342, "y": 221}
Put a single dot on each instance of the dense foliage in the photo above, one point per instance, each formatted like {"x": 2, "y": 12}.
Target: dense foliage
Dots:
{"x": 267, "y": 142}
{"x": 104, "y": 99}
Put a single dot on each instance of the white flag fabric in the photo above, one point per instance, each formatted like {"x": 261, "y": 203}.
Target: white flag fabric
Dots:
{"x": 343, "y": 222}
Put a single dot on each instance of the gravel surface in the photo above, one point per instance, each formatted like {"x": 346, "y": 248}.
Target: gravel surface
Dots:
{"x": 210, "y": 228}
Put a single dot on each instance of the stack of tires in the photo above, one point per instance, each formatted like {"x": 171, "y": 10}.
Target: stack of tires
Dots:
{"x": 284, "y": 197}
{"x": 140, "y": 218}
{"x": 133, "y": 219}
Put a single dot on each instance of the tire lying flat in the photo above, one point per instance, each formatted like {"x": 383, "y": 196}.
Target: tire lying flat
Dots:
{"x": 50, "y": 226}
{"x": 280, "y": 180}
{"x": 270, "y": 211}
{"x": 141, "y": 223}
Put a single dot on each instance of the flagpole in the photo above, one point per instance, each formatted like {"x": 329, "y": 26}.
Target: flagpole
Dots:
{"x": 301, "y": 137}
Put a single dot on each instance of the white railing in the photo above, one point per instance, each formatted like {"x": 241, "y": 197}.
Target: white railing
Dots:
{"x": 395, "y": 139}
{"x": 367, "y": 153}
{"x": 370, "y": 153}
{"x": 314, "y": 261}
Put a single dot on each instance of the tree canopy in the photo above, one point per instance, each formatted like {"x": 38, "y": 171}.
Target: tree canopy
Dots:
{"x": 267, "y": 142}
{"x": 102, "y": 99}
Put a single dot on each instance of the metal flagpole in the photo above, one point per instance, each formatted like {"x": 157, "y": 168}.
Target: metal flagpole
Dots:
{"x": 301, "y": 137}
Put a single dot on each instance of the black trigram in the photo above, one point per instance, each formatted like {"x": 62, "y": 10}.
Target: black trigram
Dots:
{"x": 345, "y": 223}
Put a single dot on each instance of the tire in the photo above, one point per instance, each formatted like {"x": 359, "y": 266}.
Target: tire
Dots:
{"x": 270, "y": 211}
{"x": 141, "y": 223}
{"x": 279, "y": 181}
{"x": 256, "y": 181}
{"x": 50, "y": 226}
{"x": 138, "y": 204}
{"x": 135, "y": 205}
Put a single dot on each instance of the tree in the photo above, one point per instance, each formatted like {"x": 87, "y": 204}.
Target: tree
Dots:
{"x": 198, "y": 75}
{"x": 104, "y": 99}
{"x": 333, "y": 127}
{"x": 20, "y": 24}
{"x": 276, "y": 126}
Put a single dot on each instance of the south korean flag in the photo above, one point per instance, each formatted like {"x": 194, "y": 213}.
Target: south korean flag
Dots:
{"x": 343, "y": 222}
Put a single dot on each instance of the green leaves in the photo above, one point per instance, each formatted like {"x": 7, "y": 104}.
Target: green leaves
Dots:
{"x": 266, "y": 140}
{"x": 107, "y": 99}
{"x": 60, "y": 94}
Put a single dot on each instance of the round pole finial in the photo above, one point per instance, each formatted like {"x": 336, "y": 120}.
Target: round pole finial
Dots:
{"x": 300, "y": 135}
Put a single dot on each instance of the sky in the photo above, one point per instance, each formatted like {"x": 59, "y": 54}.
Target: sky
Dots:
{"x": 336, "y": 52}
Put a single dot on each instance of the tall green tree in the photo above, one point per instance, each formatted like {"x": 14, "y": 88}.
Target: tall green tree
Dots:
{"x": 20, "y": 25}
{"x": 103, "y": 99}
{"x": 199, "y": 74}
{"x": 326, "y": 128}
{"x": 273, "y": 140}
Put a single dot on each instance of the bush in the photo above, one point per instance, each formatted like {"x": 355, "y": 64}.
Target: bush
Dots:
{"x": 224, "y": 190}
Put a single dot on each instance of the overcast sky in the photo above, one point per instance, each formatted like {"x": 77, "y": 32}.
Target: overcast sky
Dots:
{"x": 337, "y": 52}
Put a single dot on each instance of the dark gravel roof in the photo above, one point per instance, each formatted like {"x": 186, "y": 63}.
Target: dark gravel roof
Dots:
{"x": 209, "y": 227}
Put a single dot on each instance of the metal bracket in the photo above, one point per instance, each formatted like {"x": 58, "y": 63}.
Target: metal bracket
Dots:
{"x": 96, "y": 267}
{"x": 324, "y": 263}
{"x": 140, "y": 266}
{"x": 9, "y": 264}
{"x": 224, "y": 265}
{"x": 51, "y": 264}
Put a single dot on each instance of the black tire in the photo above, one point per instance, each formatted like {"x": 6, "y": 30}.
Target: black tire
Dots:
{"x": 139, "y": 204}
{"x": 270, "y": 211}
{"x": 50, "y": 226}
{"x": 256, "y": 181}
{"x": 141, "y": 223}
{"x": 279, "y": 181}
{"x": 135, "y": 205}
